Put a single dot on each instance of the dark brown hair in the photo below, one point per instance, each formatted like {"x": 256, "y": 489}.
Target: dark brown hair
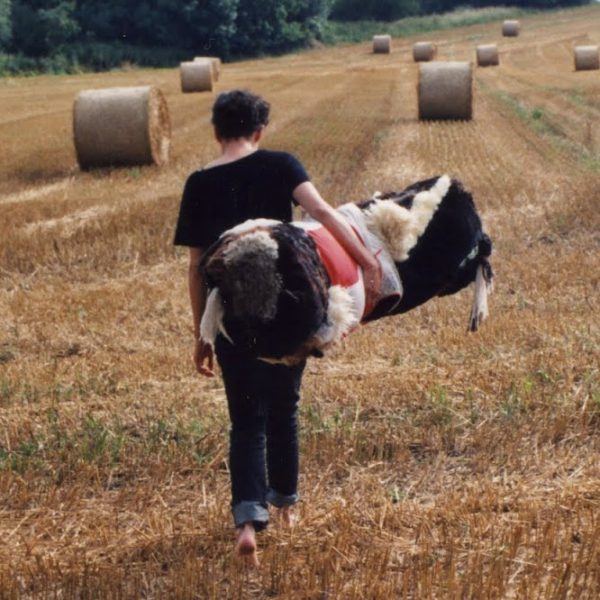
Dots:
{"x": 239, "y": 114}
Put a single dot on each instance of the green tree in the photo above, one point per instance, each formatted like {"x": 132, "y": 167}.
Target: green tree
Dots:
{"x": 188, "y": 24}
{"x": 384, "y": 10}
{"x": 388, "y": 10}
{"x": 5, "y": 23}
{"x": 540, "y": 4}
{"x": 277, "y": 25}
{"x": 105, "y": 20}
{"x": 40, "y": 26}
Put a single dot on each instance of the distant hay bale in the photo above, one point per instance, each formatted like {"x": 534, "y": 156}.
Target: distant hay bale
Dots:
{"x": 424, "y": 51}
{"x": 121, "y": 126}
{"x": 382, "y": 44}
{"x": 511, "y": 28}
{"x": 216, "y": 64}
{"x": 586, "y": 58}
{"x": 487, "y": 55}
{"x": 445, "y": 90}
{"x": 197, "y": 76}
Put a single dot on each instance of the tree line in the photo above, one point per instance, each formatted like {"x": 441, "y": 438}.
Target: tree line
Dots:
{"x": 68, "y": 34}
{"x": 388, "y": 10}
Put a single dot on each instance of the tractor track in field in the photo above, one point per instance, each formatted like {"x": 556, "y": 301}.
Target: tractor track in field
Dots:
{"x": 558, "y": 97}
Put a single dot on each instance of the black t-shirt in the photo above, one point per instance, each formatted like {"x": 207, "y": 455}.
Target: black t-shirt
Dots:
{"x": 259, "y": 185}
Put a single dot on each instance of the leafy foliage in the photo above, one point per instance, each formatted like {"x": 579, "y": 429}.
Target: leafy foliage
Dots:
{"x": 160, "y": 22}
{"x": 39, "y": 26}
{"x": 384, "y": 10}
{"x": 5, "y": 23}
{"x": 276, "y": 25}
{"x": 336, "y": 32}
{"x": 389, "y": 10}
{"x": 66, "y": 35}
{"x": 44, "y": 29}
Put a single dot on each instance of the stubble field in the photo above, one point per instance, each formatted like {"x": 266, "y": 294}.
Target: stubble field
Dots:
{"x": 434, "y": 464}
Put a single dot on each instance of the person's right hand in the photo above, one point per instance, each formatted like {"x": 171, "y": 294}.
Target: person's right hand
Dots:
{"x": 204, "y": 358}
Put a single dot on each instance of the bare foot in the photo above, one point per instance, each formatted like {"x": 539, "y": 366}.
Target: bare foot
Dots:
{"x": 245, "y": 547}
{"x": 287, "y": 517}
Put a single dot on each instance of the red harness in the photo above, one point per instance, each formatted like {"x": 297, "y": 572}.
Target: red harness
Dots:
{"x": 340, "y": 266}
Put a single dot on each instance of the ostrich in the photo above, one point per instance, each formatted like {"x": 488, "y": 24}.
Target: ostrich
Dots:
{"x": 286, "y": 291}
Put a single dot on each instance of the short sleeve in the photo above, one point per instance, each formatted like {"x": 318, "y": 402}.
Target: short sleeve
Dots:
{"x": 194, "y": 222}
{"x": 295, "y": 173}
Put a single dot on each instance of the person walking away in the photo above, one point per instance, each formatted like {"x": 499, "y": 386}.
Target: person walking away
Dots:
{"x": 246, "y": 182}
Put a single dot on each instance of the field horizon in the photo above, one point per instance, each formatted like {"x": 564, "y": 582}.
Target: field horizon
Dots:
{"x": 434, "y": 463}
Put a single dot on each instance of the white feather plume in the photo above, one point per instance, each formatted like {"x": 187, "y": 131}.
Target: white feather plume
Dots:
{"x": 341, "y": 317}
{"x": 212, "y": 318}
{"x": 400, "y": 228}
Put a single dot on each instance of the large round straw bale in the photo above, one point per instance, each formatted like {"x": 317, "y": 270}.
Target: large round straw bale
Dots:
{"x": 510, "y": 28}
{"x": 197, "y": 76}
{"x": 424, "y": 51}
{"x": 487, "y": 55}
{"x": 216, "y": 64}
{"x": 382, "y": 44}
{"x": 121, "y": 126}
{"x": 586, "y": 58}
{"x": 445, "y": 90}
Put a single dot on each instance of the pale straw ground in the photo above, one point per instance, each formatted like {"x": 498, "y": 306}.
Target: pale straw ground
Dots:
{"x": 435, "y": 464}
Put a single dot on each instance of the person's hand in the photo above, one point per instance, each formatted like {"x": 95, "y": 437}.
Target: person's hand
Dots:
{"x": 204, "y": 358}
{"x": 372, "y": 278}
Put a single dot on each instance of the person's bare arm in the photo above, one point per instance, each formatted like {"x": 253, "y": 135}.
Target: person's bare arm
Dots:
{"x": 311, "y": 201}
{"x": 203, "y": 353}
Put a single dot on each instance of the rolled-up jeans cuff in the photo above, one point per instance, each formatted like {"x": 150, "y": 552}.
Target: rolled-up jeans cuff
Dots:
{"x": 250, "y": 511}
{"x": 279, "y": 500}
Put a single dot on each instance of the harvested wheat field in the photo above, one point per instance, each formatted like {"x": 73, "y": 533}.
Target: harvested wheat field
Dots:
{"x": 434, "y": 463}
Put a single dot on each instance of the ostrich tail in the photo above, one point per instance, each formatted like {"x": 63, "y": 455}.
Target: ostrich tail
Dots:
{"x": 245, "y": 271}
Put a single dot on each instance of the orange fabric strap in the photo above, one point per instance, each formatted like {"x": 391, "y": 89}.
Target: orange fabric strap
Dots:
{"x": 340, "y": 266}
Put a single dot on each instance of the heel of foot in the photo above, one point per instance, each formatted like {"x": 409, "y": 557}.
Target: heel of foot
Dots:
{"x": 245, "y": 547}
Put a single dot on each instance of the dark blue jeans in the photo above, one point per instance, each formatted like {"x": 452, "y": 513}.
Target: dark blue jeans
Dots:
{"x": 263, "y": 446}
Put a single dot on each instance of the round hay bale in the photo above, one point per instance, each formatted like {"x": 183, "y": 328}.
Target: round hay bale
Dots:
{"x": 382, "y": 44}
{"x": 445, "y": 90}
{"x": 216, "y": 64}
{"x": 510, "y": 28}
{"x": 586, "y": 58}
{"x": 121, "y": 126}
{"x": 197, "y": 76}
{"x": 424, "y": 51}
{"x": 487, "y": 55}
